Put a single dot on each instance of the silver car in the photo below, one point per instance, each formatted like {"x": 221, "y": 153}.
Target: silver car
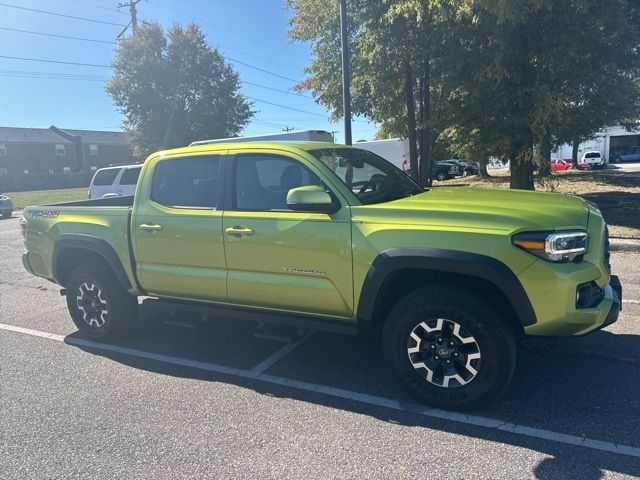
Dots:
{"x": 630, "y": 155}
{"x": 6, "y": 206}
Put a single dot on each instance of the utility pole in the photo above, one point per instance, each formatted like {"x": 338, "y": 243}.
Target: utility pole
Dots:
{"x": 346, "y": 78}
{"x": 134, "y": 13}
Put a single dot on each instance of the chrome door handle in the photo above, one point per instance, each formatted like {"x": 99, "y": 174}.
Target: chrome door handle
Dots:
{"x": 239, "y": 231}
{"x": 150, "y": 228}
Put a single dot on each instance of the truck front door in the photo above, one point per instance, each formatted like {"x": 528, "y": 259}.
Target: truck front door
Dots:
{"x": 278, "y": 258}
{"x": 177, "y": 228}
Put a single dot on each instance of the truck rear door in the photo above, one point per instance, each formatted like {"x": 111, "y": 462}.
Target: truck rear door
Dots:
{"x": 176, "y": 228}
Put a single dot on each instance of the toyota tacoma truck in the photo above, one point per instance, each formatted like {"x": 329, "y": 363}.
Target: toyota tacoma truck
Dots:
{"x": 336, "y": 238}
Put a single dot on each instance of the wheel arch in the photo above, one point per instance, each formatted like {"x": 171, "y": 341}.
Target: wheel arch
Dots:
{"x": 72, "y": 250}
{"x": 397, "y": 271}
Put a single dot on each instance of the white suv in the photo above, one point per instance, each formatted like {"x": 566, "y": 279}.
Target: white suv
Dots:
{"x": 114, "y": 181}
{"x": 591, "y": 159}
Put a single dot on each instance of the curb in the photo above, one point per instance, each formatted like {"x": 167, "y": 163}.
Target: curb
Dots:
{"x": 624, "y": 244}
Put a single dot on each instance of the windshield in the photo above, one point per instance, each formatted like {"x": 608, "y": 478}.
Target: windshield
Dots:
{"x": 370, "y": 177}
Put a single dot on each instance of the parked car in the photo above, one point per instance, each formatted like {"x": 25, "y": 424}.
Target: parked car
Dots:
{"x": 444, "y": 171}
{"x": 114, "y": 181}
{"x": 560, "y": 165}
{"x": 472, "y": 168}
{"x": 450, "y": 277}
{"x": 6, "y": 206}
{"x": 461, "y": 166}
{"x": 631, "y": 155}
{"x": 591, "y": 159}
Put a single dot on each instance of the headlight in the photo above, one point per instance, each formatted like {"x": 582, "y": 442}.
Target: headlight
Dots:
{"x": 559, "y": 247}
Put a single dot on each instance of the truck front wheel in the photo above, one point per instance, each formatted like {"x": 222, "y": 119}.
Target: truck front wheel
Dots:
{"x": 101, "y": 309}
{"x": 449, "y": 348}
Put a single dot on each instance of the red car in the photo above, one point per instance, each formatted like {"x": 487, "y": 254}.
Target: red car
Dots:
{"x": 560, "y": 165}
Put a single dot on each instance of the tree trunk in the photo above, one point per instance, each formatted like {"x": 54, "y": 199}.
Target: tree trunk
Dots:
{"x": 411, "y": 120}
{"x": 425, "y": 126}
{"x": 521, "y": 168}
{"x": 574, "y": 152}
{"x": 483, "y": 170}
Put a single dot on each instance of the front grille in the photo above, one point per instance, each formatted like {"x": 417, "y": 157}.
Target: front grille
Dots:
{"x": 607, "y": 252}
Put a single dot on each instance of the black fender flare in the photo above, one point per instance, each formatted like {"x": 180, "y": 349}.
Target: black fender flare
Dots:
{"x": 95, "y": 245}
{"x": 449, "y": 261}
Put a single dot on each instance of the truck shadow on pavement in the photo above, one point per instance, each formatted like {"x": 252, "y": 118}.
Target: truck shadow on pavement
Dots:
{"x": 556, "y": 386}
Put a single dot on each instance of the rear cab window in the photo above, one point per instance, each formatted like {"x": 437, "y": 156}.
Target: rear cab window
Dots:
{"x": 106, "y": 177}
{"x": 188, "y": 182}
{"x": 592, "y": 155}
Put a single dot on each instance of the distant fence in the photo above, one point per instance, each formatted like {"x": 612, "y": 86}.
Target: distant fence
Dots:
{"x": 44, "y": 181}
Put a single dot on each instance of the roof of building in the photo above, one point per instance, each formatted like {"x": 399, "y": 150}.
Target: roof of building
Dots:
{"x": 46, "y": 135}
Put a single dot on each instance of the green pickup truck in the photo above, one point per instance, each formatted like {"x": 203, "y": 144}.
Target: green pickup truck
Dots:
{"x": 336, "y": 238}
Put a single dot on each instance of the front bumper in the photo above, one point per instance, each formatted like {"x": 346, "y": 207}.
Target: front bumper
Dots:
{"x": 552, "y": 291}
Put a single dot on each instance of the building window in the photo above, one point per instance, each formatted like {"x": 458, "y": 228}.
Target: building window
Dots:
{"x": 66, "y": 169}
{"x": 3, "y": 171}
{"x": 93, "y": 149}
{"x": 3, "y": 149}
{"x": 59, "y": 150}
{"x": 25, "y": 171}
{"x": 52, "y": 171}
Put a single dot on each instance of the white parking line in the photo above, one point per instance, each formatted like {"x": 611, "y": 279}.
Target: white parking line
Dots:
{"x": 271, "y": 360}
{"x": 630, "y": 301}
{"x": 475, "y": 420}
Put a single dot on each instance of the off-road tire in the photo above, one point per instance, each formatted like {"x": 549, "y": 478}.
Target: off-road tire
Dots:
{"x": 116, "y": 309}
{"x": 441, "y": 177}
{"x": 494, "y": 340}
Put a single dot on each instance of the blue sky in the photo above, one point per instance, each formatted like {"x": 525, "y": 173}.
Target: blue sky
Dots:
{"x": 39, "y": 94}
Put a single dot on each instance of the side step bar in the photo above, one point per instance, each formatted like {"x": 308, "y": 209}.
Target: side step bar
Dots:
{"x": 238, "y": 313}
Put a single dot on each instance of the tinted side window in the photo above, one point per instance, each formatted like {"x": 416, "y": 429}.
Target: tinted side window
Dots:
{"x": 130, "y": 176}
{"x": 187, "y": 182}
{"x": 105, "y": 177}
{"x": 263, "y": 181}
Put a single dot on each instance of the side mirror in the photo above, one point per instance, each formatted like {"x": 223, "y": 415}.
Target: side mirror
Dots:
{"x": 311, "y": 198}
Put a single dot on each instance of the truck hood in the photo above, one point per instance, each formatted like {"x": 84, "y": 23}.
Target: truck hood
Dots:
{"x": 485, "y": 208}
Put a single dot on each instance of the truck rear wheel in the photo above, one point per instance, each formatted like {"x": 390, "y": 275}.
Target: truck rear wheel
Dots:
{"x": 448, "y": 348}
{"x": 101, "y": 309}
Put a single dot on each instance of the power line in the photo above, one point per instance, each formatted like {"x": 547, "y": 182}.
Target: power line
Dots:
{"x": 61, "y": 15}
{"x": 261, "y": 69}
{"x": 54, "y": 61}
{"x": 100, "y": 6}
{"x": 52, "y": 75}
{"x": 58, "y": 36}
{"x": 220, "y": 27}
{"x": 276, "y": 90}
{"x": 115, "y": 43}
{"x": 287, "y": 107}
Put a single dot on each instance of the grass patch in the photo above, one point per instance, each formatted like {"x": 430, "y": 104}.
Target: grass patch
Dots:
{"x": 40, "y": 197}
{"x": 616, "y": 193}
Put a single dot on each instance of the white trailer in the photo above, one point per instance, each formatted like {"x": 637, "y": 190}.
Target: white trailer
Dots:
{"x": 394, "y": 150}
{"x": 297, "y": 135}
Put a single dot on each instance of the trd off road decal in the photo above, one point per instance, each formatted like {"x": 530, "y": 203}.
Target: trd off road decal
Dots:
{"x": 44, "y": 213}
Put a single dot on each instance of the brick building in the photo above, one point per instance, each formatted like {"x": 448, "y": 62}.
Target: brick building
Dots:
{"x": 41, "y": 158}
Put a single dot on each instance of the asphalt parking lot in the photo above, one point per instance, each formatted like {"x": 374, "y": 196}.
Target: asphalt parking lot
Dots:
{"x": 187, "y": 398}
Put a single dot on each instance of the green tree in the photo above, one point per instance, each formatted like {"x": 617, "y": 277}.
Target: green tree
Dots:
{"x": 392, "y": 65}
{"x": 484, "y": 78}
{"x": 541, "y": 73}
{"x": 174, "y": 89}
